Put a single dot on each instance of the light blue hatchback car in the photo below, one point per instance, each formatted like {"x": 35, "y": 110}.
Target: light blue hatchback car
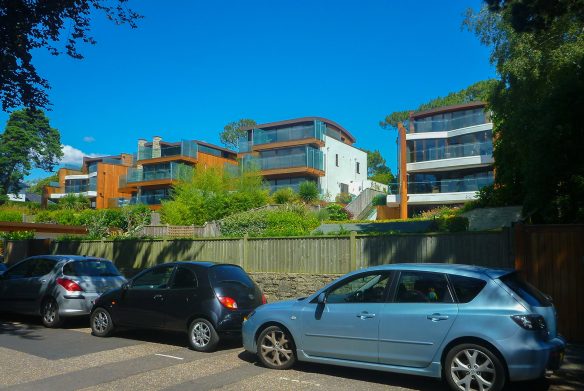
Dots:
{"x": 476, "y": 327}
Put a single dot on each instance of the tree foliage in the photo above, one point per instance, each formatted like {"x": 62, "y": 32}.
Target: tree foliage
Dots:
{"x": 479, "y": 91}
{"x": 37, "y": 187}
{"x": 33, "y": 24}
{"x": 212, "y": 194}
{"x": 537, "y": 107}
{"x": 308, "y": 191}
{"x": 377, "y": 169}
{"x": 233, "y": 131}
{"x": 28, "y": 142}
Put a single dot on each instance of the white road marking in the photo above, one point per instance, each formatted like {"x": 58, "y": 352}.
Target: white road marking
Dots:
{"x": 300, "y": 381}
{"x": 166, "y": 355}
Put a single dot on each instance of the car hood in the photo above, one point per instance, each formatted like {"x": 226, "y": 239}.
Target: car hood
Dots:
{"x": 278, "y": 305}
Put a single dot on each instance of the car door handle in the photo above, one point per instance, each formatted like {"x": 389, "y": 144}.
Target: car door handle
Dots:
{"x": 158, "y": 297}
{"x": 365, "y": 315}
{"x": 437, "y": 317}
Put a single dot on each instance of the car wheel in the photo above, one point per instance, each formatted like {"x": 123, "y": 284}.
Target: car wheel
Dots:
{"x": 101, "y": 322}
{"x": 50, "y": 313}
{"x": 276, "y": 348}
{"x": 202, "y": 335}
{"x": 473, "y": 367}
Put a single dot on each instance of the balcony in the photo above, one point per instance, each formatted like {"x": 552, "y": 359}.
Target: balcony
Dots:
{"x": 140, "y": 177}
{"x": 451, "y": 151}
{"x": 450, "y": 121}
{"x": 282, "y": 137}
{"x": 311, "y": 161}
{"x": 186, "y": 149}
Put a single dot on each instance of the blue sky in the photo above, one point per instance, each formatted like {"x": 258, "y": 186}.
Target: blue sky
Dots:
{"x": 193, "y": 66}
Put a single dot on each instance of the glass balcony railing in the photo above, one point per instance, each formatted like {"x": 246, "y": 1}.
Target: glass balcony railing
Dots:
{"x": 452, "y": 151}
{"x": 312, "y": 158}
{"x": 186, "y": 148}
{"x": 152, "y": 199}
{"x": 175, "y": 171}
{"x": 54, "y": 184}
{"x": 444, "y": 185}
{"x": 315, "y": 130}
{"x": 437, "y": 124}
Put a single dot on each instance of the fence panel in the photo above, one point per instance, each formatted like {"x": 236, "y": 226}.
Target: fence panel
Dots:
{"x": 551, "y": 257}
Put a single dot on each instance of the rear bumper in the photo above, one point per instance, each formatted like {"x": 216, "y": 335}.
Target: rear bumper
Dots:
{"x": 76, "y": 305}
{"x": 531, "y": 360}
{"x": 231, "y": 322}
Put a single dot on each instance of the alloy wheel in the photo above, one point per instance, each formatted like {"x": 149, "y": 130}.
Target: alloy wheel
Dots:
{"x": 473, "y": 370}
{"x": 49, "y": 312}
{"x": 100, "y": 322}
{"x": 201, "y": 334}
{"x": 276, "y": 348}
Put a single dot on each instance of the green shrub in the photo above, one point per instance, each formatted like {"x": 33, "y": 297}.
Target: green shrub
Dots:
{"x": 336, "y": 212}
{"x": 452, "y": 224}
{"x": 379, "y": 200}
{"x": 284, "y": 196}
{"x": 308, "y": 191}
{"x": 14, "y": 216}
{"x": 74, "y": 202}
{"x": 343, "y": 198}
{"x": 17, "y": 235}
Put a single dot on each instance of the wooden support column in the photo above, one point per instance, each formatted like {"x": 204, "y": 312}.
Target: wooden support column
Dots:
{"x": 403, "y": 174}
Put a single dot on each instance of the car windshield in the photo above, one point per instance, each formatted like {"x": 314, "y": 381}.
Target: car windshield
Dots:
{"x": 228, "y": 274}
{"x": 91, "y": 268}
{"x": 525, "y": 290}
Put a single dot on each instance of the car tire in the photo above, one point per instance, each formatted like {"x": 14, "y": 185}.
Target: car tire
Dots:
{"x": 474, "y": 364}
{"x": 101, "y": 323}
{"x": 275, "y": 348}
{"x": 202, "y": 336}
{"x": 50, "y": 313}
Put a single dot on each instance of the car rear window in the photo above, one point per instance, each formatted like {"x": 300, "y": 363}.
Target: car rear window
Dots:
{"x": 91, "y": 268}
{"x": 466, "y": 288}
{"x": 525, "y": 290}
{"x": 227, "y": 274}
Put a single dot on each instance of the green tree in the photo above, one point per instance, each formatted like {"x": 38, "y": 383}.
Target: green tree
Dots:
{"x": 233, "y": 131}
{"x": 28, "y": 142}
{"x": 33, "y": 24}
{"x": 479, "y": 91}
{"x": 38, "y": 187}
{"x": 537, "y": 108}
{"x": 377, "y": 169}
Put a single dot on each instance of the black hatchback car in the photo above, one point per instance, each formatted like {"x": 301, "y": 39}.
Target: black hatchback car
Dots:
{"x": 205, "y": 299}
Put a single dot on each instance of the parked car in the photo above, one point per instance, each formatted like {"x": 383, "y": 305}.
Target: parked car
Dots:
{"x": 56, "y": 286}
{"x": 205, "y": 299}
{"x": 476, "y": 327}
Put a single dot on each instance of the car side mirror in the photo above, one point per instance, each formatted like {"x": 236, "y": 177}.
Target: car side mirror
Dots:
{"x": 321, "y": 299}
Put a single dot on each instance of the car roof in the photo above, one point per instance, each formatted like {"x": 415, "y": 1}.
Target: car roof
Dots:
{"x": 67, "y": 257}
{"x": 462, "y": 269}
{"x": 204, "y": 264}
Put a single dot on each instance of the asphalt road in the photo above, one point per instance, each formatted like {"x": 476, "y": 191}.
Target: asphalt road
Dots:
{"x": 35, "y": 358}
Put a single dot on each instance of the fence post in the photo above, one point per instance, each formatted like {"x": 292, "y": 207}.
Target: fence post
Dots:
{"x": 353, "y": 250}
{"x": 245, "y": 252}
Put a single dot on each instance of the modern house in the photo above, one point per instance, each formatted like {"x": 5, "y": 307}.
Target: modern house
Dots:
{"x": 97, "y": 179}
{"x": 305, "y": 149}
{"x": 446, "y": 155}
{"x": 143, "y": 178}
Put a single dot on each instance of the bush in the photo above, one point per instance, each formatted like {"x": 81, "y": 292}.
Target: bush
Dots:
{"x": 452, "y": 224}
{"x": 284, "y": 196}
{"x": 17, "y": 235}
{"x": 308, "y": 191}
{"x": 343, "y": 198}
{"x": 440, "y": 212}
{"x": 379, "y": 200}
{"x": 74, "y": 202}
{"x": 14, "y": 216}
{"x": 336, "y": 212}
{"x": 284, "y": 221}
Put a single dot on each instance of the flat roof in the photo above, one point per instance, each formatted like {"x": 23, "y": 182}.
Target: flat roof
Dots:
{"x": 448, "y": 109}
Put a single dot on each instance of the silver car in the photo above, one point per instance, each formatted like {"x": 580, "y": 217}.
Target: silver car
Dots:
{"x": 56, "y": 286}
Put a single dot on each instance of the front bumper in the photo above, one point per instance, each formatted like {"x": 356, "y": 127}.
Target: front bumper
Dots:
{"x": 248, "y": 331}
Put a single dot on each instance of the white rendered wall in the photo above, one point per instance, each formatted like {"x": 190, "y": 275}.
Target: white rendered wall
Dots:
{"x": 346, "y": 172}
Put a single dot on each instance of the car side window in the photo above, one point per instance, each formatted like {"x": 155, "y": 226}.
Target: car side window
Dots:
{"x": 184, "y": 278}
{"x": 40, "y": 267}
{"x": 466, "y": 288}
{"x": 369, "y": 288}
{"x": 18, "y": 271}
{"x": 157, "y": 278}
{"x": 422, "y": 287}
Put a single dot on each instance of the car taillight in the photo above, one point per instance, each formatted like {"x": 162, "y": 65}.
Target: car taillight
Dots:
{"x": 69, "y": 285}
{"x": 264, "y": 300}
{"x": 228, "y": 302}
{"x": 530, "y": 322}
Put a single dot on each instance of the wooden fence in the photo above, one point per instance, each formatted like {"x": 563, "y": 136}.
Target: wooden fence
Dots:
{"x": 320, "y": 255}
{"x": 208, "y": 230}
{"x": 551, "y": 257}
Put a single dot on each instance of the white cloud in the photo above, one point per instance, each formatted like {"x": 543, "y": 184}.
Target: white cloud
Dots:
{"x": 72, "y": 155}
{"x": 88, "y": 139}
